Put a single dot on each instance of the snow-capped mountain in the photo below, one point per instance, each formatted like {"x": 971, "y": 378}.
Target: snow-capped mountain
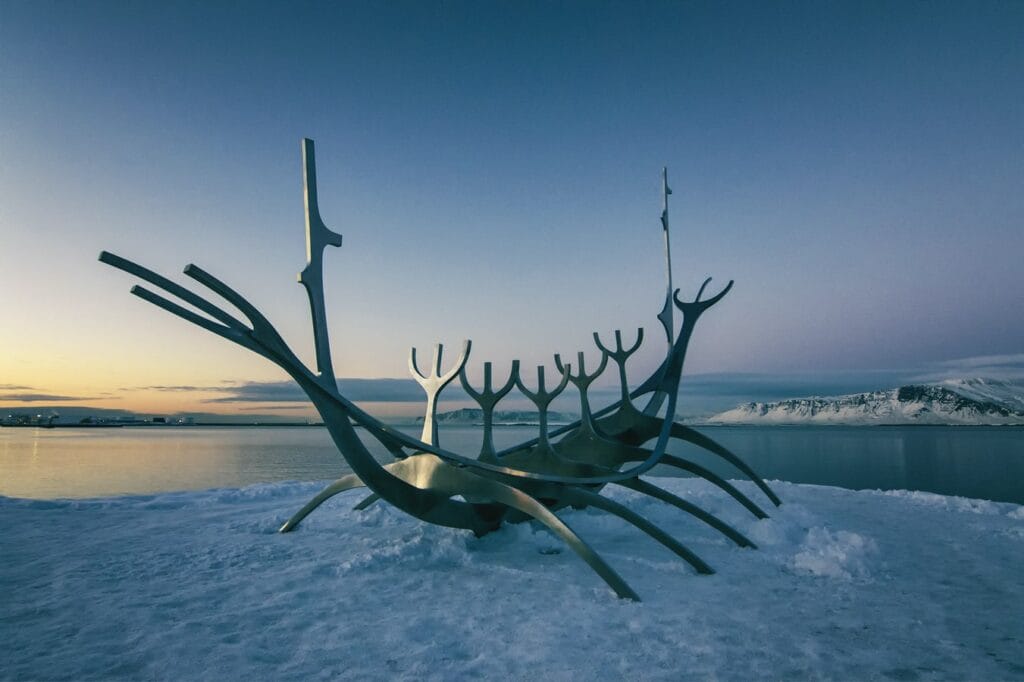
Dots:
{"x": 1009, "y": 394}
{"x": 954, "y": 401}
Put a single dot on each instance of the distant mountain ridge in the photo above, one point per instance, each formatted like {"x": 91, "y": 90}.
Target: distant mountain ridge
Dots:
{"x": 955, "y": 401}
{"x": 473, "y": 416}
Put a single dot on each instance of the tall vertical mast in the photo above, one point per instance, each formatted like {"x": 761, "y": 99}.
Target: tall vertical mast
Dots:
{"x": 318, "y": 237}
{"x": 667, "y": 312}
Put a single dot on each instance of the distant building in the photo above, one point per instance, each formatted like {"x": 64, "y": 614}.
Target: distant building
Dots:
{"x": 44, "y": 420}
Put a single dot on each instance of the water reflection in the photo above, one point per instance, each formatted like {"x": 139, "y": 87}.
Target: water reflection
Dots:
{"x": 49, "y": 463}
{"x": 983, "y": 462}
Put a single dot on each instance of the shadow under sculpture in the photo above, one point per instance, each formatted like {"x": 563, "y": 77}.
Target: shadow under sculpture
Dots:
{"x": 567, "y": 466}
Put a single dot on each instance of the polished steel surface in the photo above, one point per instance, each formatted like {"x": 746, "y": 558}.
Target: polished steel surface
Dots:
{"x": 488, "y": 399}
{"x": 433, "y": 383}
{"x": 318, "y": 237}
{"x": 542, "y": 398}
{"x": 666, "y": 314}
{"x": 530, "y": 481}
{"x": 582, "y": 382}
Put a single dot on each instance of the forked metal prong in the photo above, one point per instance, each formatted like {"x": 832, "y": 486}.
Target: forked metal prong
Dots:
{"x": 434, "y": 383}
{"x": 620, "y": 355}
{"x": 488, "y": 399}
{"x": 542, "y": 399}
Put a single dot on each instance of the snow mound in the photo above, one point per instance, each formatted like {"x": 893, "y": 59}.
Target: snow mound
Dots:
{"x": 948, "y": 502}
{"x": 834, "y": 555}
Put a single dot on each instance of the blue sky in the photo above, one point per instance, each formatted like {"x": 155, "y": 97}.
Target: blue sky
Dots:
{"x": 495, "y": 170}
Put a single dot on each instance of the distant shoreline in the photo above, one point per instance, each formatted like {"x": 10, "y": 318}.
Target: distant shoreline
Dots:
{"x": 696, "y": 425}
{"x": 158, "y": 426}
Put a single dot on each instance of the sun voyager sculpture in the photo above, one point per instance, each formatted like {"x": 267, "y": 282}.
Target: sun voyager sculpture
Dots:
{"x": 567, "y": 466}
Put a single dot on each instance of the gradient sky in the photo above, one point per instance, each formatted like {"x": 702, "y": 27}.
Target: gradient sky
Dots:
{"x": 494, "y": 168}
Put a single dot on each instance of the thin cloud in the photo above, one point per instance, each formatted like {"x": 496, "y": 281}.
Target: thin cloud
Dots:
{"x": 43, "y": 398}
{"x": 392, "y": 390}
{"x": 778, "y": 386}
{"x": 257, "y": 408}
{"x": 359, "y": 390}
{"x": 15, "y": 387}
{"x": 180, "y": 389}
{"x": 261, "y": 392}
{"x": 1008, "y": 367}
{"x": 1005, "y": 360}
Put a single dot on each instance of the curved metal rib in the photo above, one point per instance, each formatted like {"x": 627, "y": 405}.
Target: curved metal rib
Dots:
{"x": 220, "y": 330}
{"x": 172, "y": 288}
{"x": 366, "y": 502}
{"x": 579, "y": 497}
{"x": 642, "y": 486}
{"x": 699, "y": 439}
{"x": 712, "y": 477}
{"x": 517, "y": 499}
{"x": 262, "y": 330}
{"x": 347, "y": 482}
{"x": 455, "y": 481}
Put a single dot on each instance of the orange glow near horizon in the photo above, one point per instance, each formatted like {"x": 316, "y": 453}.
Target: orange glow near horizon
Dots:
{"x": 165, "y": 403}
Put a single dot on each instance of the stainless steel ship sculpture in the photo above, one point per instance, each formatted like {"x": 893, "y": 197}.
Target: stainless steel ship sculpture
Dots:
{"x": 566, "y": 466}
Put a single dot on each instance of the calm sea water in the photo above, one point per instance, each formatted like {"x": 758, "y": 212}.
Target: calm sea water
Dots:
{"x": 982, "y": 462}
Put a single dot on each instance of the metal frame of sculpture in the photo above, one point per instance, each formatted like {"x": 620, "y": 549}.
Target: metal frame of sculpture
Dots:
{"x": 567, "y": 466}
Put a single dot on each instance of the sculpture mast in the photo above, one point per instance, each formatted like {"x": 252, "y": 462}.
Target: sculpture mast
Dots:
{"x": 318, "y": 237}
{"x": 666, "y": 316}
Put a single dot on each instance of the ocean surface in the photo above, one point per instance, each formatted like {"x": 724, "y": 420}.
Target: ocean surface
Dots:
{"x": 977, "y": 462}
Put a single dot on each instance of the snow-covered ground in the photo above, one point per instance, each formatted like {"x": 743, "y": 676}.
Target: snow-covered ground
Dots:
{"x": 845, "y": 585}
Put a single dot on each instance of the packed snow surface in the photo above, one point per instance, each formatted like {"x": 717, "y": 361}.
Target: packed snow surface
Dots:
{"x": 844, "y": 585}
